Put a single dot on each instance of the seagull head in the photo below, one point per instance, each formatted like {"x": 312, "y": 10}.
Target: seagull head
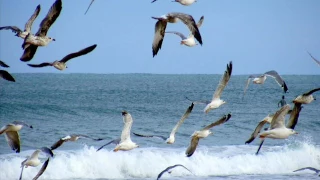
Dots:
{"x": 124, "y": 113}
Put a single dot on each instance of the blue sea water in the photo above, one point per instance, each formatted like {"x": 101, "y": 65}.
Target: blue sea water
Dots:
{"x": 61, "y": 104}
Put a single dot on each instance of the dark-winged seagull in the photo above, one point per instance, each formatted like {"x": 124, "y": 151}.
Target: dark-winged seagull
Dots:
{"x": 171, "y": 138}
{"x": 174, "y": 17}
{"x": 203, "y": 133}
{"x": 31, "y": 42}
{"x": 182, "y": 2}
{"x": 12, "y": 135}
{"x": 61, "y": 64}
{"x": 171, "y": 167}
{"x": 89, "y": 6}
{"x": 72, "y": 137}
{"x": 125, "y": 143}
{"x": 34, "y": 161}
{"x": 309, "y": 168}
{"x": 216, "y": 102}
{"x": 262, "y": 78}
{"x": 188, "y": 41}
{"x": 306, "y": 98}
{"x": 27, "y": 27}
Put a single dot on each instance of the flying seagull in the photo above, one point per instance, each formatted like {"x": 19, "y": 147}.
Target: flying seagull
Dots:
{"x": 161, "y": 25}
{"x": 188, "y": 41}
{"x": 216, "y": 102}
{"x": 260, "y": 125}
{"x": 27, "y": 27}
{"x": 168, "y": 169}
{"x": 203, "y": 133}
{"x": 317, "y": 61}
{"x": 12, "y": 135}
{"x": 182, "y": 2}
{"x": 89, "y": 7}
{"x": 125, "y": 143}
{"x": 6, "y": 75}
{"x": 31, "y": 42}
{"x": 72, "y": 137}
{"x": 261, "y": 79}
{"x": 306, "y": 98}
{"x": 277, "y": 129}
{"x": 171, "y": 138}
{"x": 34, "y": 161}
{"x": 309, "y": 168}
{"x": 61, "y": 64}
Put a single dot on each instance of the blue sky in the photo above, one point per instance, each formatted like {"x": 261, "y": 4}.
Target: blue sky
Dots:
{"x": 257, "y": 36}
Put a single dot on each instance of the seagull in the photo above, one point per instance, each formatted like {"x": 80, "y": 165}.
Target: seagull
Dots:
{"x": 125, "y": 143}
{"x": 317, "y": 61}
{"x": 34, "y": 161}
{"x": 260, "y": 125}
{"x": 277, "y": 129}
{"x": 161, "y": 25}
{"x": 216, "y": 102}
{"x": 203, "y": 133}
{"x": 306, "y": 98}
{"x": 171, "y": 138}
{"x": 88, "y": 7}
{"x": 261, "y": 79}
{"x": 188, "y": 41}
{"x": 72, "y": 137}
{"x": 31, "y": 42}
{"x": 171, "y": 167}
{"x": 6, "y": 75}
{"x": 27, "y": 27}
{"x": 182, "y": 2}
{"x": 12, "y": 135}
{"x": 309, "y": 168}
{"x": 61, "y": 64}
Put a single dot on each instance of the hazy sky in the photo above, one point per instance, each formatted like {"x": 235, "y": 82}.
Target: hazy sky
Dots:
{"x": 257, "y": 36}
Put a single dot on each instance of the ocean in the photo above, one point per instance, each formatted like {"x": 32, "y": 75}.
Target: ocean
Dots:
{"x": 57, "y": 105}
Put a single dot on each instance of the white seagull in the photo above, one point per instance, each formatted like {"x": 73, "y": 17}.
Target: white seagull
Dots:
{"x": 182, "y": 2}
{"x": 27, "y": 27}
{"x": 72, "y": 137}
{"x": 34, "y": 161}
{"x": 31, "y": 42}
{"x": 12, "y": 135}
{"x": 61, "y": 64}
{"x": 203, "y": 133}
{"x": 306, "y": 98}
{"x": 125, "y": 143}
{"x": 190, "y": 40}
{"x": 171, "y": 138}
{"x": 160, "y": 28}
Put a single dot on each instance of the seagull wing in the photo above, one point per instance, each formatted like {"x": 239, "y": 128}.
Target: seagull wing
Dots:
{"x": 183, "y": 118}
{"x": 222, "y": 120}
{"x": 200, "y": 22}
{"x": 7, "y": 76}
{"x": 51, "y": 17}
{"x": 247, "y": 84}
{"x": 140, "y": 135}
{"x": 47, "y": 151}
{"x": 79, "y": 53}
{"x": 193, "y": 146}
{"x": 40, "y": 65}
{"x": 87, "y": 137}
{"x": 160, "y": 29}
{"x": 278, "y": 79}
{"x": 29, "y": 23}
{"x": 198, "y": 102}
{"x": 153, "y": 1}
{"x": 279, "y": 117}
{"x": 115, "y": 141}
{"x": 58, "y": 143}
{"x": 223, "y": 82}
{"x": 256, "y": 131}
{"x": 13, "y": 140}
{"x": 309, "y": 168}
{"x": 22, "y": 167}
{"x": 310, "y": 92}
{"x": 89, "y": 7}
{"x": 14, "y": 29}
{"x": 127, "y": 119}
{"x": 317, "y": 61}
{"x": 294, "y": 116}
{"x": 171, "y": 167}
{"x": 43, "y": 168}
{"x": 189, "y": 21}
{"x": 177, "y": 33}
{"x": 28, "y": 53}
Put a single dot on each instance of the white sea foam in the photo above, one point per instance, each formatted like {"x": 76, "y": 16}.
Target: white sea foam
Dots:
{"x": 148, "y": 162}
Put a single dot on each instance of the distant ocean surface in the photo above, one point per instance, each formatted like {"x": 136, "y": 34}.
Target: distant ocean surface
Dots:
{"x": 61, "y": 104}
